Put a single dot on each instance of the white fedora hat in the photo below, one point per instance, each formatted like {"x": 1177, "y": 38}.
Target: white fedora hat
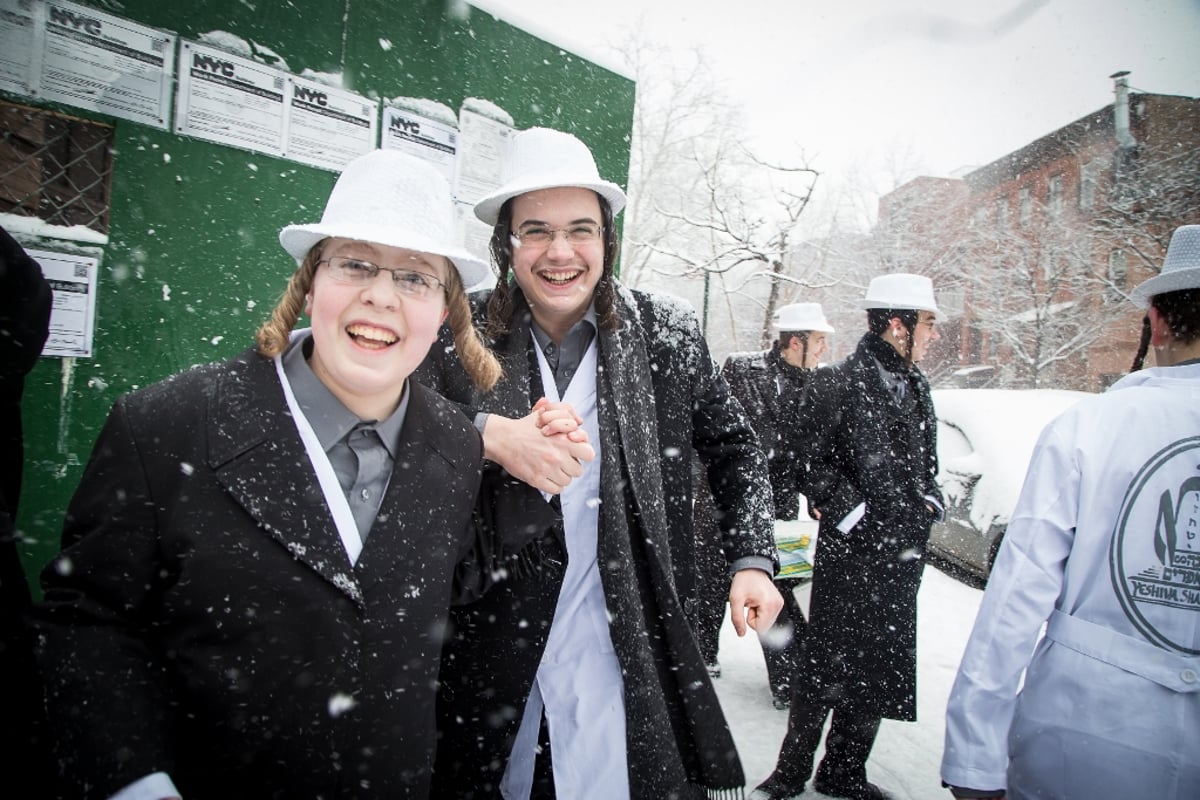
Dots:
{"x": 390, "y": 198}
{"x": 541, "y": 158}
{"x": 901, "y": 291}
{"x": 801, "y": 317}
{"x": 1181, "y": 269}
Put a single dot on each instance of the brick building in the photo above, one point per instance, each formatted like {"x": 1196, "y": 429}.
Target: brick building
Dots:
{"x": 1043, "y": 244}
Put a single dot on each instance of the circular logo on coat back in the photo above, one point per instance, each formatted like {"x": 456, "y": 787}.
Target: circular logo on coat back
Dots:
{"x": 1155, "y": 555}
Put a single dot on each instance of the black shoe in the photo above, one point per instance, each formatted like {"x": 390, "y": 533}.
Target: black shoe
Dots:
{"x": 781, "y": 702}
{"x": 777, "y": 787}
{"x": 852, "y": 791}
{"x": 714, "y": 668}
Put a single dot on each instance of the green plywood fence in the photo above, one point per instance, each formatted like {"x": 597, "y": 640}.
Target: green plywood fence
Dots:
{"x": 193, "y": 264}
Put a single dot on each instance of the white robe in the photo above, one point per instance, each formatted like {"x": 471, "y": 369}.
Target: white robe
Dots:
{"x": 1104, "y": 545}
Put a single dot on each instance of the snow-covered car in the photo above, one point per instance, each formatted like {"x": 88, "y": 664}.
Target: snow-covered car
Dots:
{"x": 985, "y": 440}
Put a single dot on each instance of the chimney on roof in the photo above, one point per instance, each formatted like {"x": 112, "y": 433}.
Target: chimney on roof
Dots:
{"x": 1125, "y": 138}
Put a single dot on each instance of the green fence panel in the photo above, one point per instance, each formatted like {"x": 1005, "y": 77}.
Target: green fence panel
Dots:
{"x": 193, "y": 264}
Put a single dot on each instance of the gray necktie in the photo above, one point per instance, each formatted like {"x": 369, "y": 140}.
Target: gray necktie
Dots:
{"x": 371, "y": 479}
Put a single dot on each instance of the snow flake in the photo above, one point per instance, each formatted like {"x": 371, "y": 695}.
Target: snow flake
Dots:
{"x": 340, "y": 703}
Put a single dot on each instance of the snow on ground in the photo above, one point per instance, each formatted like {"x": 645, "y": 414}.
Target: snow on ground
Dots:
{"x": 907, "y": 755}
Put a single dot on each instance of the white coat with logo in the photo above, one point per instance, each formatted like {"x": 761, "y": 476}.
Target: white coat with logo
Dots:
{"x": 1103, "y": 547}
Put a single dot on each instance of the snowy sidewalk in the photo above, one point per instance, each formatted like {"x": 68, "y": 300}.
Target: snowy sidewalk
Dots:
{"x": 907, "y": 755}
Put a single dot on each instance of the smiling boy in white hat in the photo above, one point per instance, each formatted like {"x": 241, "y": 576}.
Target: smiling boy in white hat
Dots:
{"x": 1103, "y": 551}
{"x": 260, "y": 552}
{"x": 596, "y": 659}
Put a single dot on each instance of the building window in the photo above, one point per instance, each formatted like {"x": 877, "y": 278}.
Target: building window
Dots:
{"x": 1054, "y": 199}
{"x": 1088, "y": 178}
{"x": 55, "y": 167}
{"x": 1002, "y": 213}
{"x": 1025, "y": 206}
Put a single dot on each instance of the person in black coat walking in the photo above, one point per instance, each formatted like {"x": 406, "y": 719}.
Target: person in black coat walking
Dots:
{"x": 770, "y": 386}
{"x": 869, "y": 476}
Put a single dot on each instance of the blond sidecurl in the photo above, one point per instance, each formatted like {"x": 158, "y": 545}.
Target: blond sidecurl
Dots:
{"x": 477, "y": 359}
{"x": 274, "y": 334}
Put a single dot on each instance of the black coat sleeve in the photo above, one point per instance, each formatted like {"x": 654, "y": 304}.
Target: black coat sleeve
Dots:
{"x": 734, "y": 462}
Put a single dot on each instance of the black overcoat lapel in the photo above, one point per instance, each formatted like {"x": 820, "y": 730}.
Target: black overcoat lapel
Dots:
{"x": 258, "y": 456}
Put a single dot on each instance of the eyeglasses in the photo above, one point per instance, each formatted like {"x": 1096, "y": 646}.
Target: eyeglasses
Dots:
{"x": 408, "y": 282}
{"x": 541, "y": 236}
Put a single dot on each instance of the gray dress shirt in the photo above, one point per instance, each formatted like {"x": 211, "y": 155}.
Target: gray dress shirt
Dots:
{"x": 564, "y": 359}
{"x": 361, "y": 452}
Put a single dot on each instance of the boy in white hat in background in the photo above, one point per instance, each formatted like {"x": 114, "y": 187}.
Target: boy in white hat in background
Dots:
{"x": 770, "y": 386}
{"x": 868, "y": 436}
{"x": 1104, "y": 549}
{"x": 260, "y": 552}
{"x": 591, "y": 656}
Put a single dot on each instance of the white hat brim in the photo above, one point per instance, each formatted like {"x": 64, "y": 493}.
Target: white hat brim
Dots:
{"x": 817, "y": 326}
{"x": 488, "y": 209}
{"x": 1176, "y": 280}
{"x": 297, "y": 240}
{"x": 938, "y": 316}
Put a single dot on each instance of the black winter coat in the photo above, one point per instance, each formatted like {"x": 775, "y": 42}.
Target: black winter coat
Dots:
{"x": 204, "y": 619}
{"x": 772, "y": 393}
{"x": 868, "y": 449}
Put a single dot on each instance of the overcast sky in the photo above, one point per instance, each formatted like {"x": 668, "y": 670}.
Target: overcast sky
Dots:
{"x": 935, "y": 85}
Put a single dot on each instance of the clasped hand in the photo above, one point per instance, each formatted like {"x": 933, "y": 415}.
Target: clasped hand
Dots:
{"x": 546, "y": 448}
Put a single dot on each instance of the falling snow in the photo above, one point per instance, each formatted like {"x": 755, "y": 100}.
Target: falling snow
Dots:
{"x": 340, "y": 703}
